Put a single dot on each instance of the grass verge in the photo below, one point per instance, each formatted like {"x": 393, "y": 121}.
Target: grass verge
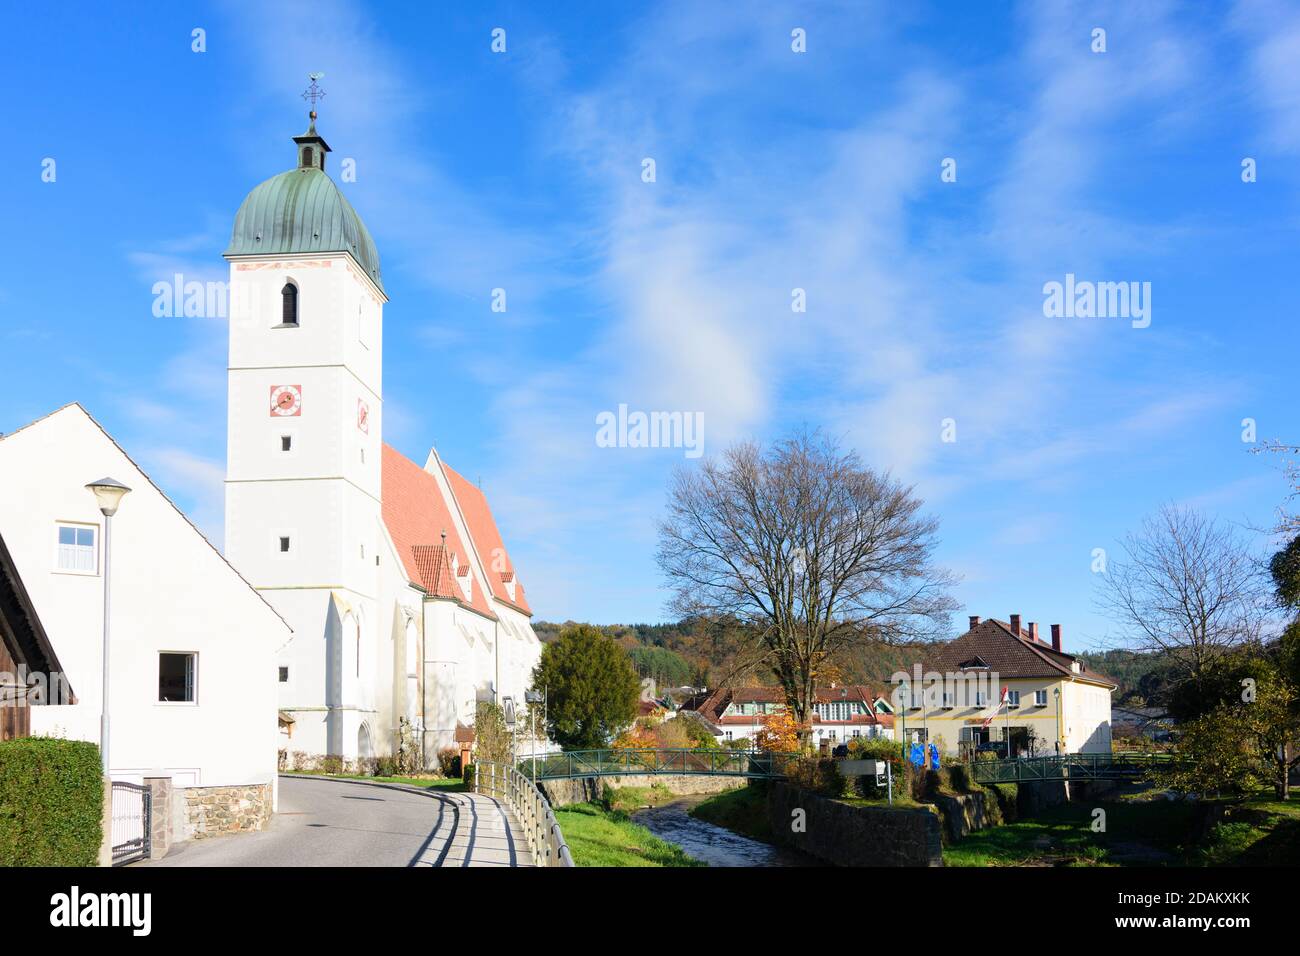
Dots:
{"x": 602, "y": 837}
{"x": 742, "y": 811}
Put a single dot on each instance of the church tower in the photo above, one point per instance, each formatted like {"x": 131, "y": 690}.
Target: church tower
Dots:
{"x": 304, "y": 444}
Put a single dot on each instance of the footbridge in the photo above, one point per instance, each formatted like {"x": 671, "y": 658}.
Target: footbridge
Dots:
{"x": 615, "y": 763}
{"x": 771, "y": 766}
{"x": 1069, "y": 767}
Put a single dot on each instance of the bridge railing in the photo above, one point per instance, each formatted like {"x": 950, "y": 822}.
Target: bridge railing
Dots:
{"x": 619, "y": 762}
{"x": 1067, "y": 766}
{"x": 531, "y": 809}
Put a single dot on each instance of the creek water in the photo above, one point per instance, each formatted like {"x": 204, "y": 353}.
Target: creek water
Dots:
{"x": 713, "y": 845}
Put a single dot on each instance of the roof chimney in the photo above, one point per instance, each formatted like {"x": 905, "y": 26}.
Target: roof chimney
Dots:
{"x": 1033, "y": 631}
{"x": 1015, "y": 624}
{"x": 1056, "y": 638}
{"x": 974, "y": 621}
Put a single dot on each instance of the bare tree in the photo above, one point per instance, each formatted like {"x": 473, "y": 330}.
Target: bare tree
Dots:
{"x": 1188, "y": 589}
{"x": 1288, "y": 519}
{"x": 808, "y": 549}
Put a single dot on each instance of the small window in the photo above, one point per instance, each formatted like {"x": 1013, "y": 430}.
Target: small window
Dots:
{"x": 284, "y": 545}
{"x": 363, "y": 552}
{"x": 286, "y": 442}
{"x": 1013, "y": 698}
{"x": 176, "y": 678}
{"x": 289, "y": 304}
{"x": 1040, "y": 698}
{"x": 363, "y": 456}
{"x": 77, "y": 550}
{"x": 947, "y": 700}
{"x": 284, "y": 675}
{"x": 980, "y": 698}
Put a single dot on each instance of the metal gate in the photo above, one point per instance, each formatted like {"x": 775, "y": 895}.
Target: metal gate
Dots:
{"x": 132, "y": 812}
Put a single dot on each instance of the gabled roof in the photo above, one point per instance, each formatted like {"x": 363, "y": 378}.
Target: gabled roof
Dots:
{"x": 993, "y": 644}
{"x": 22, "y": 636}
{"x": 487, "y": 540}
{"x": 184, "y": 517}
{"x": 416, "y": 515}
{"x": 711, "y": 707}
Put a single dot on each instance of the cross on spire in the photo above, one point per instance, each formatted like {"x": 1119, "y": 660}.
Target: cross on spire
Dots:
{"x": 314, "y": 93}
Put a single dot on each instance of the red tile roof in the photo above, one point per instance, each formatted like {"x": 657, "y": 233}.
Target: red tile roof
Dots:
{"x": 487, "y": 540}
{"x": 416, "y": 515}
{"x": 711, "y": 706}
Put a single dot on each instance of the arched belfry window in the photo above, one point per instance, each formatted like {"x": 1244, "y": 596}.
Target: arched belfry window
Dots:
{"x": 289, "y": 304}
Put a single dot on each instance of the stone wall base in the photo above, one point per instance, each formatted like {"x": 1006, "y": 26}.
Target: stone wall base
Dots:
{"x": 845, "y": 835}
{"x": 211, "y": 811}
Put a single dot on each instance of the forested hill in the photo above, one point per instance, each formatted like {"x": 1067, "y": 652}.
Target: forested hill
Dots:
{"x": 694, "y": 653}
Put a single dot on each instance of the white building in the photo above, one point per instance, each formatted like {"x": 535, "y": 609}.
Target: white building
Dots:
{"x": 404, "y": 603}
{"x": 192, "y": 689}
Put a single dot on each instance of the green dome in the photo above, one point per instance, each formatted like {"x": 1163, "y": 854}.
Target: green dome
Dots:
{"x": 302, "y": 211}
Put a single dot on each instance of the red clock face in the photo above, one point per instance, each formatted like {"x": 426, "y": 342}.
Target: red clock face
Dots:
{"x": 363, "y": 416}
{"x": 286, "y": 400}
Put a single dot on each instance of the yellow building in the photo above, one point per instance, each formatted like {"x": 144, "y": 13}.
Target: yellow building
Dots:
{"x": 1054, "y": 702}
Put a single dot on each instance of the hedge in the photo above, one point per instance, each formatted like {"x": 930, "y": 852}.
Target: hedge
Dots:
{"x": 51, "y": 802}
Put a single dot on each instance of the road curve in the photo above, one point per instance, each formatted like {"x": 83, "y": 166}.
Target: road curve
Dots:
{"x": 328, "y": 822}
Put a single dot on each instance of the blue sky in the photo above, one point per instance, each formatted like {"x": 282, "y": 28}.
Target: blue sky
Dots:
{"x": 775, "y": 170}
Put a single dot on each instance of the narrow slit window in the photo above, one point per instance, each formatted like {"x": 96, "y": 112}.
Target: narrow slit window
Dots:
{"x": 286, "y": 442}
{"x": 289, "y": 304}
{"x": 284, "y": 545}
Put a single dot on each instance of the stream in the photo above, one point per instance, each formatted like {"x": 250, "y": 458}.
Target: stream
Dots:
{"x": 713, "y": 844}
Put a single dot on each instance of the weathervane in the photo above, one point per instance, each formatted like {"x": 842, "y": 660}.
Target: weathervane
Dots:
{"x": 314, "y": 92}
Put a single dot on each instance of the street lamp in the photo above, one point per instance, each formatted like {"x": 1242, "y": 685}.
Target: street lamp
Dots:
{"x": 108, "y": 495}
{"x": 1059, "y": 741}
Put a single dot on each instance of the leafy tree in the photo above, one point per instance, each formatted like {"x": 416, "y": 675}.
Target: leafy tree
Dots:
{"x": 1285, "y": 570}
{"x": 593, "y": 688}
{"x": 813, "y": 553}
{"x": 778, "y": 733}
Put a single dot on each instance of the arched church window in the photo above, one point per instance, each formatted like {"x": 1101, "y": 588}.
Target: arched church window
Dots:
{"x": 289, "y": 304}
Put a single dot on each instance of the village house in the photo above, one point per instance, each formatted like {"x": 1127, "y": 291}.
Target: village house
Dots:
{"x": 30, "y": 672}
{"x": 406, "y": 607}
{"x": 1054, "y": 702}
{"x": 191, "y": 679}
{"x": 840, "y": 712}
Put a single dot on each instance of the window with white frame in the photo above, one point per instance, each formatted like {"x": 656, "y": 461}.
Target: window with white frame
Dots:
{"x": 77, "y": 551}
{"x": 1013, "y": 698}
{"x": 176, "y": 677}
{"x": 981, "y": 698}
{"x": 947, "y": 700}
{"x": 1040, "y": 698}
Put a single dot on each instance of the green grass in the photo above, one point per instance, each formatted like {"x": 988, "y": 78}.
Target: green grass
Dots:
{"x": 1138, "y": 833}
{"x": 601, "y": 837}
{"x": 454, "y": 784}
{"x": 1257, "y": 832}
{"x": 742, "y": 811}
{"x": 628, "y": 799}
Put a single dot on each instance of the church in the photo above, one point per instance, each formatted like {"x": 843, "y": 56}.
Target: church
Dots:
{"x": 405, "y": 606}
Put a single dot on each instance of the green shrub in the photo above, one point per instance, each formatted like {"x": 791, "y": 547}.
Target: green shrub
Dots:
{"x": 449, "y": 761}
{"x": 51, "y": 802}
{"x": 818, "y": 774}
{"x": 386, "y": 767}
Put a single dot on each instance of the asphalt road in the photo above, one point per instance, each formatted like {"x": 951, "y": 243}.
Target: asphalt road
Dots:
{"x": 324, "y": 822}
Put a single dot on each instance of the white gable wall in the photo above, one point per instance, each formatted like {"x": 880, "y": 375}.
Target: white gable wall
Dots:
{"x": 171, "y": 591}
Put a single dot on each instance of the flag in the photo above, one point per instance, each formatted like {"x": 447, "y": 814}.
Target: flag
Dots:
{"x": 1006, "y": 699}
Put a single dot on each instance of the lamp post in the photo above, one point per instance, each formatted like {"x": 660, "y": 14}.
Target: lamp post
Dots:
{"x": 533, "y": 698}
{"x": 1059, "y": 742}
{"x": 108, "y": 495}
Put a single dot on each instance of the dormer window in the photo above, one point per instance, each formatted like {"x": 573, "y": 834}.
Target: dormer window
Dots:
{"x": 289, "y": 304}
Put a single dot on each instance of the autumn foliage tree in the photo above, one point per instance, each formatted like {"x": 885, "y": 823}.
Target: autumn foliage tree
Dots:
{"x": 778, "y": 733}
{"x": 591, "y": 685}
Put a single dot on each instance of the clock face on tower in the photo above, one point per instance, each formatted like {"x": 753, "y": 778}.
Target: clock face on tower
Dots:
{"x": 286, "y": 400}
{"x": 363, "y": 416}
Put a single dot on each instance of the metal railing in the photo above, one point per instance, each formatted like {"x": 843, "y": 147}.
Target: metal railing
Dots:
{"x": 531, "y": 809}
{"x": 608, "y": 763}
{"x": 1068, "y": 767}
